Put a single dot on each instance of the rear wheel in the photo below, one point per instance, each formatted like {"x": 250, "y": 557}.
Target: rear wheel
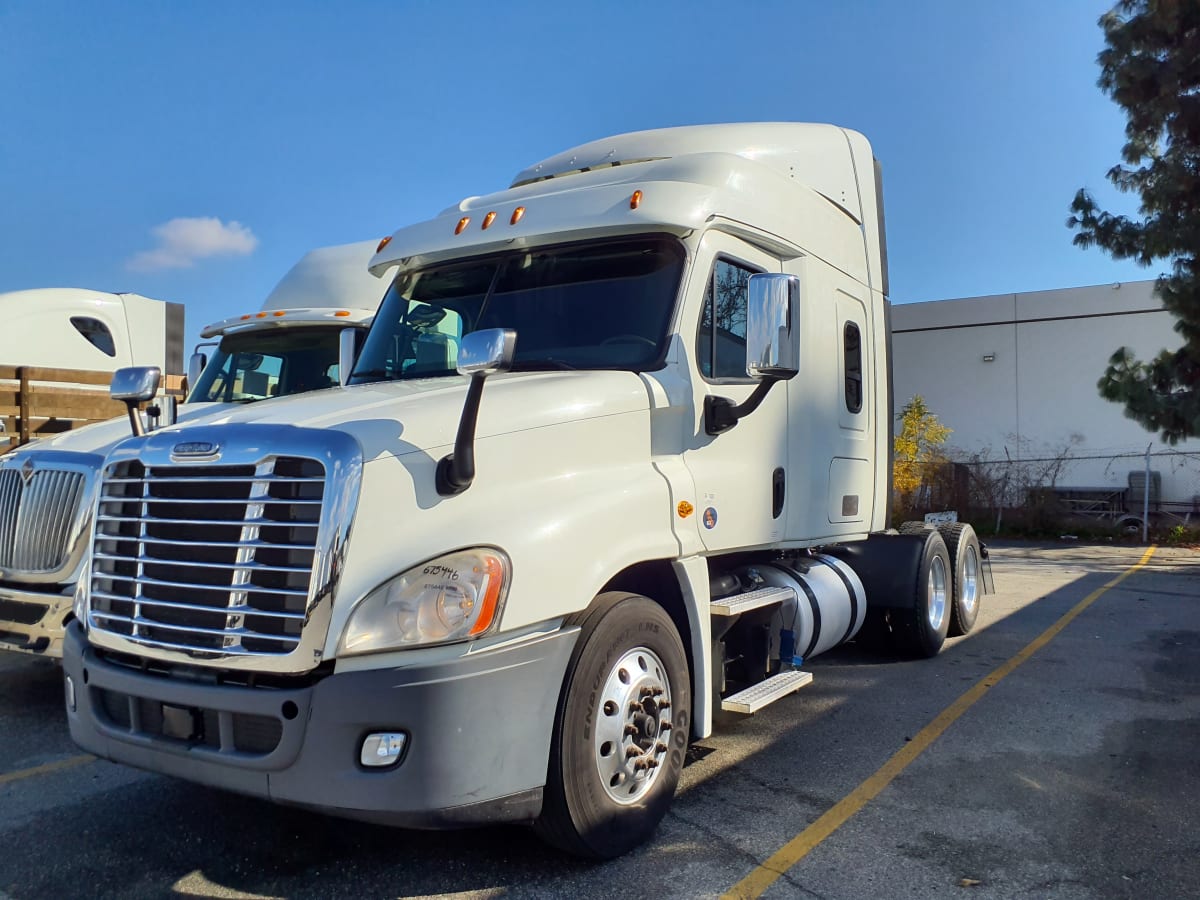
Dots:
{"x": 924, "y": 626}
{"x": 965, "y": 556}
{"x": 621, "y": 730}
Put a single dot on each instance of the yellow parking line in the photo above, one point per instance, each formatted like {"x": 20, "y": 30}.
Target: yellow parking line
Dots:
{"x": 754, "y": 884}
{"x": 46, "y": 768}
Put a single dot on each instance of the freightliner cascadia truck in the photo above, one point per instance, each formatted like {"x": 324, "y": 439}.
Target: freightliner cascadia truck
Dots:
{"x": 290, "y": 345}
{"x": 614, "y": 457}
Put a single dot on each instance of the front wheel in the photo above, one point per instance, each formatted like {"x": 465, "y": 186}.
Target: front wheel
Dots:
{"x": 621, "y": 730}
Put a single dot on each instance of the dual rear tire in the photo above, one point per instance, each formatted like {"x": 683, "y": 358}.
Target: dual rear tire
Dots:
{"x": 966, "y": 557}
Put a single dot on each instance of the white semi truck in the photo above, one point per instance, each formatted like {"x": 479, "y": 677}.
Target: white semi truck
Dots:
{"x": 614, "y": 457}
{"x": 292, "y": 344}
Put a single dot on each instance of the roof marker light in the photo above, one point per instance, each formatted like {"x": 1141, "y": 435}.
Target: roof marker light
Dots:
{"x": 636, "y": 200}
{"x": 488, "y": 220}
{"x": 383, "y": 243}
{"x": 247, "y": 316}
{"x": 342, "y": 313}
{"x": 518, "y": 214}
{"x": 279, "y": 312}
{"x": 261, "y": 315}
{"x": 462, "y": 223}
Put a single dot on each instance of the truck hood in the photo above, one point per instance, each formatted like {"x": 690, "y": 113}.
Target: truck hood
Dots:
{"x": 100, "y": 437}
{"x": 401, "y": 417}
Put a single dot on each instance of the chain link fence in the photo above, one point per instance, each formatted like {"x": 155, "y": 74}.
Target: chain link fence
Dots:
{"x": 1112, "y": 491}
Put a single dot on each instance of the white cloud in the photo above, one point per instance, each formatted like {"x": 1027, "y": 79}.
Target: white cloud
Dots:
{"x": 183, "y": 241}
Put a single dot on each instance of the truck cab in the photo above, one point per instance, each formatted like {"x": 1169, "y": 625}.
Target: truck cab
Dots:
{"x": 587, "y": 485}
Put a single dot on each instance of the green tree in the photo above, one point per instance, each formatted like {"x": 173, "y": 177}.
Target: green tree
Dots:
{"x": 1151, "y": 68}
{"x": 916, "y": 448}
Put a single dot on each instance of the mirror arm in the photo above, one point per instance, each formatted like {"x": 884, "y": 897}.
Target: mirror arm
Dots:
{"x": 135, "y": 418}
{"x": 456, "y": 471}
{"x": 721, "y": 413}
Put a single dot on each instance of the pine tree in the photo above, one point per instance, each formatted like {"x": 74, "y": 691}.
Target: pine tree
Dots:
{"x": 1151, "y": 68}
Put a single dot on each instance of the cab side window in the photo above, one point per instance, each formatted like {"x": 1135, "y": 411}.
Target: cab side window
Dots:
{"x": 852, "y": 363}
{"x": 97, "y": 334}
{"x": 721, "y": 350}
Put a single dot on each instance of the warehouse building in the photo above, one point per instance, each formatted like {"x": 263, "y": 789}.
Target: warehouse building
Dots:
{"x": 1014, "y": 376}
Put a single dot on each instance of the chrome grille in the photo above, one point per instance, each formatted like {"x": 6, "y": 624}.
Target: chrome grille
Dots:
{"x": 207, "y": 558}
{"x": 38, "y": 510}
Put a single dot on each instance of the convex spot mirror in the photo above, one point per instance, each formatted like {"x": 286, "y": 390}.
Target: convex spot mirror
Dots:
{"x": 487, "y": 352}
{"x": 773, "y": 326}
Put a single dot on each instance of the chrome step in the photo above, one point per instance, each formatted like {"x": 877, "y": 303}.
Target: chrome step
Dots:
{"x": 740, "y": 603}
{"x": 754, "y": 698}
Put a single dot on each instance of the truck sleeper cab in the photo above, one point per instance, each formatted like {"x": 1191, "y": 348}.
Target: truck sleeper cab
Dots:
{"x": 676, "y": 411}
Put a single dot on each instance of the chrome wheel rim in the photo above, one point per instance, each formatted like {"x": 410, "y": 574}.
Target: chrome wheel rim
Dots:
{"x": 970, "y": 580}
{"x": 633, "y": 719}
{"x": 936, "y": 593}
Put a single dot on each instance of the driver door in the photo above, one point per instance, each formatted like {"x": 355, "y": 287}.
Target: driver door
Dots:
{"x": 735, "y": 473}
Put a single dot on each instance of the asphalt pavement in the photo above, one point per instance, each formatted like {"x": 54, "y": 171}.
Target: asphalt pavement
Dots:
{"x": 1073, "y": 774}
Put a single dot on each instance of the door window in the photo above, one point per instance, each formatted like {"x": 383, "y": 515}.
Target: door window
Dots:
{"x": 721, "y": 350}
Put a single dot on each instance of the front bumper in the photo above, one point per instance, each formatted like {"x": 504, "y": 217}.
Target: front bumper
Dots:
{"x": 32, "y": 622}
{"x": 478, "y": 731}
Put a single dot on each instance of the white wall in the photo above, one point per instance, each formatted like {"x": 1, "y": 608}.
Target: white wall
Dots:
{"x": 1038, "y": 395}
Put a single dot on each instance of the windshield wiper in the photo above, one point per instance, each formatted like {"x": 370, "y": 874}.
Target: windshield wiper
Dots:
{"x": 542, "y": 365}
{"x": 374, "y": 373}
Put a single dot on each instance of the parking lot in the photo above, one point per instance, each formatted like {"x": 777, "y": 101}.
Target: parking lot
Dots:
{"x": 1053, "y": 752}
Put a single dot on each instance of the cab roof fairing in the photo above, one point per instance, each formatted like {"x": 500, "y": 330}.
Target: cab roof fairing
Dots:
{"x": 680, "y": 195}
{"x": 291, "y": 318}
{"x": 809, "y": 153}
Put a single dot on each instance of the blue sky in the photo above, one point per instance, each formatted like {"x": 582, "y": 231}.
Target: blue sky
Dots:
{"x": 310, "y": 124}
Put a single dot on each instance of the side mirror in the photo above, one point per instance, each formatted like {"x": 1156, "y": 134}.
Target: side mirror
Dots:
{"x": 482, "y": 353}
{"x": 196, "y": 365}
{"x": 773, "y": 327}
{"x": 487, "y": 352}
{"x": 134, "y": 385}
{"x": 772, "y": 346}
{"x": 347, "y": 347}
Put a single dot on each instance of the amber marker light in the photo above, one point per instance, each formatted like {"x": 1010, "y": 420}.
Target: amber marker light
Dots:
{"x": 636, "y": 200}
{"x": 247, "y": 316}
{"x": 261, "y": 315}
{"x": 279, "y": 312}
{"x": 517, "y": 216}
{"x": 491, "y": 593}
{"x": 462, "y": 224}
{"x": 383, "y": 243}
{"x": 341, "y": 313}
{"x": 488, "y": 220}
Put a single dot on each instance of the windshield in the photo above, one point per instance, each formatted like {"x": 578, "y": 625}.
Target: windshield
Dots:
{"x": 258, "y": 365}
{"x": 601, "y": 305}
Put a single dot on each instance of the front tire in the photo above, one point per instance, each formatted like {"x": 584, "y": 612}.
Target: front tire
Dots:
{"x": 621, "y": 730}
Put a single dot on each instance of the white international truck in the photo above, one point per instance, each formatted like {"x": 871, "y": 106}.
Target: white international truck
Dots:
{"x": 290, "y": 345}
{"x": 614, "y": 457}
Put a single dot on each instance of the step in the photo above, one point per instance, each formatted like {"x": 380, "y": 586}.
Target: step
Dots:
{"x": 740, "y": 603}
{"x": 754, "y": 698}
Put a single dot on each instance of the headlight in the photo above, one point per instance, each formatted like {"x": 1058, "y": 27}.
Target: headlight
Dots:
{"x": 451, "y": 598}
